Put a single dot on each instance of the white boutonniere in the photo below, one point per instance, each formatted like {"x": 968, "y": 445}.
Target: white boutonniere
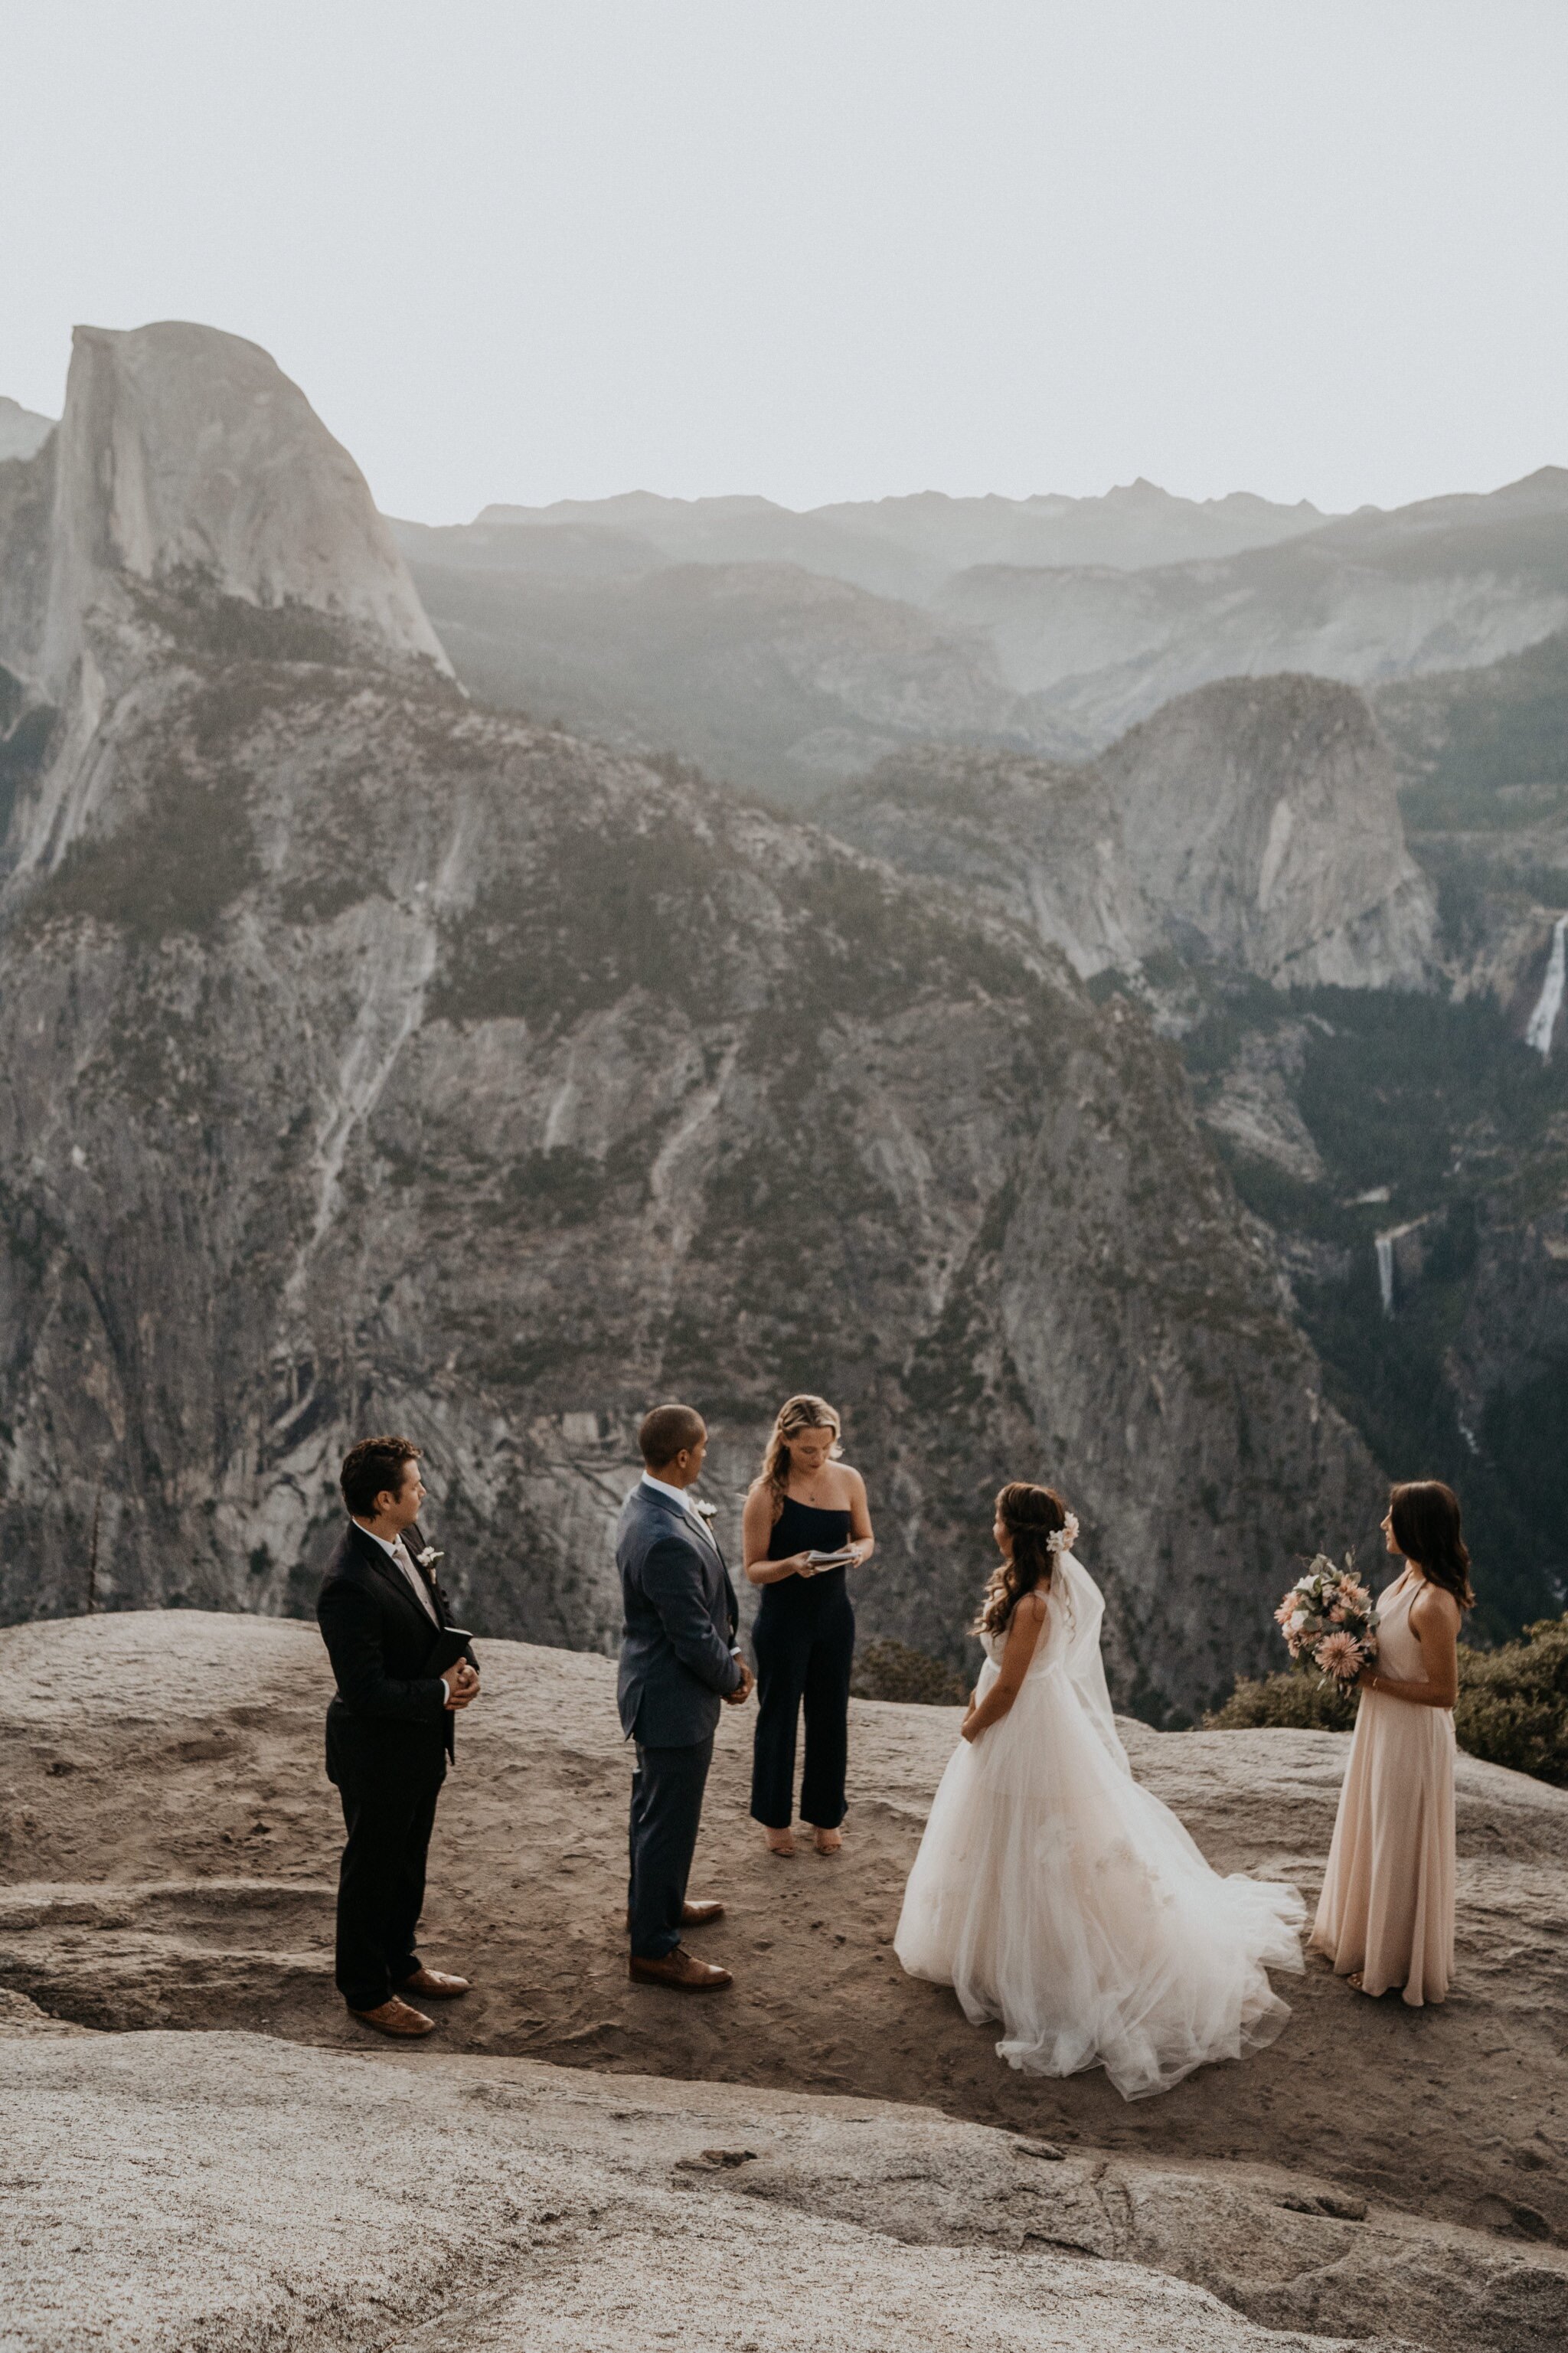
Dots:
{"x": 429, "y": 1557}
{"x": 709, "y": 1511}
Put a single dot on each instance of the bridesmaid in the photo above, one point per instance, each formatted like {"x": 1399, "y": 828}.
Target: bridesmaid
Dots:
{"x": 1386, "y": 1914}
{"x": 803, "y": 1499}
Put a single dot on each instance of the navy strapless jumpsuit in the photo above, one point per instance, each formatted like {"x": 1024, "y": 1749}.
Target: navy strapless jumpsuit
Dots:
{"x": 803, "y": 1639}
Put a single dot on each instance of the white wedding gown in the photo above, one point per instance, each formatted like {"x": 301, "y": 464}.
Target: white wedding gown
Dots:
{"x": 1055, "y": 1894}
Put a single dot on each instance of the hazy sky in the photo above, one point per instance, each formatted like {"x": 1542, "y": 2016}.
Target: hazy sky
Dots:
{"x": 822, "y": 248}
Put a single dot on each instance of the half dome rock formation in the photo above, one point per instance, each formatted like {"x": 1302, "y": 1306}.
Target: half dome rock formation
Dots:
{"x": 1254, "y": 824}
{"x": 187, "y": 453}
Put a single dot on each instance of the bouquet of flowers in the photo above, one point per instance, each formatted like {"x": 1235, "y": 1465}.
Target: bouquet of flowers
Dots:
{"x": 1328, "y": 1619}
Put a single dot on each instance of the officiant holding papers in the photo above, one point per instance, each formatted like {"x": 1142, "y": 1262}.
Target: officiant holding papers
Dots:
{"x": 805, "y": 1524}
{"x": 403, "y": 1673}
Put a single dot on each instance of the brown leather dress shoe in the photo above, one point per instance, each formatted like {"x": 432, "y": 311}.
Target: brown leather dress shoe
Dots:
{"x": 434, "y": 1985}
{"x": 396, "y": 2017}
{"x": 696, "y": 1916}
{"x": 681, "y": 1970}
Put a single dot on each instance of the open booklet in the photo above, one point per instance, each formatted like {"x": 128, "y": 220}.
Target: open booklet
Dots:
{"x": 451, "y": 1644}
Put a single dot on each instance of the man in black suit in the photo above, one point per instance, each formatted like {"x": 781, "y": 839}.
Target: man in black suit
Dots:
{"x": 389, "y": 1731}
{"x": 679, "y": 1665}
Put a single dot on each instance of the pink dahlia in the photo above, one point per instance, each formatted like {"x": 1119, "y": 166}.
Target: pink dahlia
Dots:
{"x": 1340, "y": 1655}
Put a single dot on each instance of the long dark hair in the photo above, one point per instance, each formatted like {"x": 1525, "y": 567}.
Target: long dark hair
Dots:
{"x": 1423, "y": 1515}
{"x": 1031, "y": 1516}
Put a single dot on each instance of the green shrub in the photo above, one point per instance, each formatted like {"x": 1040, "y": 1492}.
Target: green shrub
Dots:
{"x": 1514, "y": 1702}
{"x": 889, "y": 1670}
{"x": 1512, "y": 1707}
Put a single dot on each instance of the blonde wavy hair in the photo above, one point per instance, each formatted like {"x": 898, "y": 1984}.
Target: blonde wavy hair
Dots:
{"x": 795, "y": 1414}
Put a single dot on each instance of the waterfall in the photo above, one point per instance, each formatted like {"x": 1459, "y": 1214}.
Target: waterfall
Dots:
{"x": 1548, "y": 1003}
{"x": 1383, "y": 1245}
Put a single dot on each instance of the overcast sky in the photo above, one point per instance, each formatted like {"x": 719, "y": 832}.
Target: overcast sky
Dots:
{"x": 822, "y": 248}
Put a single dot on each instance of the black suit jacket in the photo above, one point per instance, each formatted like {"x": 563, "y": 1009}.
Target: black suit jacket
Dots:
{"x": 388, "y": 1718}
{"x": 680, "y": 1618}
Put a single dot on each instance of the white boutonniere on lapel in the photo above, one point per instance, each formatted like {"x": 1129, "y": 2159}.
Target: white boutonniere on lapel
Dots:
{"x": 709, "y": 1511}
{"x": 429, "y": 1557}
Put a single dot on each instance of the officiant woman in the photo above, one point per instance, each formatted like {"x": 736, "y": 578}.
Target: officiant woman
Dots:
{"x": 805, "y": 1500}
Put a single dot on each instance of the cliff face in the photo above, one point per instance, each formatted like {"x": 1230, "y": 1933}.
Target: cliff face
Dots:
{"x": 371, "y": 1061}
{"x": 182, "y": 451}
{"x": 1254, "y": 824}
{"x": 1261, "y": 818}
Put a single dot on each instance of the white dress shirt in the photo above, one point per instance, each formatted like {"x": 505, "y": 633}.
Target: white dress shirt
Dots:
{"x": 676, "y": 1494}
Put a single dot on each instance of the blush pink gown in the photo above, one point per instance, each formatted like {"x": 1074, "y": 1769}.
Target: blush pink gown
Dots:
{"x": 1387, "y": 1904}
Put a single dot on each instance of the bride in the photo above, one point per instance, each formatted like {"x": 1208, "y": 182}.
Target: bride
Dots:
{"x": 1052, "y": 1891}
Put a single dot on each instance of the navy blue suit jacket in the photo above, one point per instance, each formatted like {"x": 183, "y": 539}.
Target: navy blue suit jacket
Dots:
{"x": 680, "y": 1618}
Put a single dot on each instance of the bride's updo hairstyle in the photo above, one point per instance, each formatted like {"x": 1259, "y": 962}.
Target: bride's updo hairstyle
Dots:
{"x": 1032, "y": 1516}
{"x": 795, "y": 1414}
{"x": 1424, "y": 1518}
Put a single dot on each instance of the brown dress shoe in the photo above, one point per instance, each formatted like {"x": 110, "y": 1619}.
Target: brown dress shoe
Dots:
{"x": 434, "y": 1985}
{"x": 681, "y": 1970}
{"x": 696, "y": 1916}
{"x": 396, "y": 2017}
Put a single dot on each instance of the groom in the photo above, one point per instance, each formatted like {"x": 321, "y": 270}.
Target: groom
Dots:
{"x": 389, "y": 1732}
{"x": 679, "y": 1665}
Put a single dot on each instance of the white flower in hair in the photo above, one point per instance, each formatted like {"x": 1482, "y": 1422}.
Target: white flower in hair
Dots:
{"x": 1063, "y": 1539}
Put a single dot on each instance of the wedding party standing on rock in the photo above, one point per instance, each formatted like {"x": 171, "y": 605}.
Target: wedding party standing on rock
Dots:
{"x": 1385, "y": 1916}
{"x": 805, "y": 1524}
{"x": 389, "y": 1731}
{"x": 679, "y": 1665}
{"x": 1050, "y": 1890}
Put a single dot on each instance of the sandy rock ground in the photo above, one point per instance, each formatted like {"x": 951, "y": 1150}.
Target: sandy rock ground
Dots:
{"x": 167, "y": 1850}
{"x": 502, "y": 2205}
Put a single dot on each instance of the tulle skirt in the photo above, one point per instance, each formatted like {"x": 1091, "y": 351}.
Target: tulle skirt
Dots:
{"x": 1056, "y": 1894}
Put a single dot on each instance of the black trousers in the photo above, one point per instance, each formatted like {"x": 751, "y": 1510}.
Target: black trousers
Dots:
{"x": 381, "y": 1885}
{"x": 805, "y": 1646}
{"x": 667, "y": 1811}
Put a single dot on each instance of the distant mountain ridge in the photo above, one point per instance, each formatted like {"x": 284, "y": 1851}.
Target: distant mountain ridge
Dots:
{"x": 587, "y": 608}
{"x": 906, "y": 546}
{"x": 1447, "y": 584}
